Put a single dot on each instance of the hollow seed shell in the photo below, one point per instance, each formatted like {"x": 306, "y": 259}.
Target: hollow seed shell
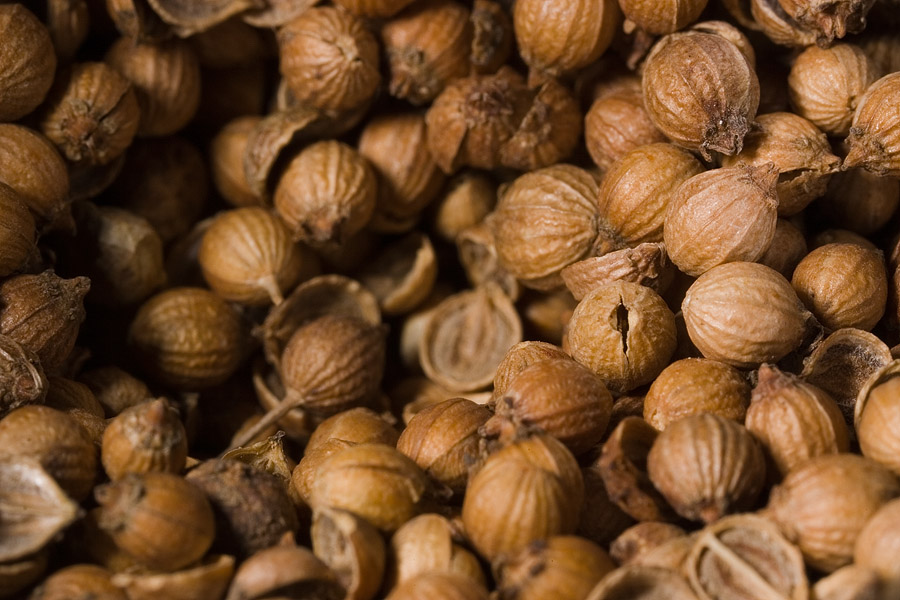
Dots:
{"x": 746, "y": 556}
{"x": 189, "y": 17}
{"x": 35, "y": 509}
{"x": 467, "y": 336}
{"x": 284, "y": 567}
{"x": 640, "y": 582}
{"x": 78, "y": 581}
{"x": 206, "y": 581}
{"x": 430, "y": 543}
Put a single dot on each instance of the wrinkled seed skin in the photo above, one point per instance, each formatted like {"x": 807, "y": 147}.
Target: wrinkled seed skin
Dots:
{"x": 31, "y": 165}
{"x": 693, "y": 385}
{"x": 27, "y": 62}
{"x": 252, "y": 510}
{"x": 520, "y": 357}
{"x": 43, "y": 313}
{"x": 828, "y": 19}
{"x": 878, "y": 427}
{"x": 823, "y": 504}
{"x": 143, "y": 438}
{"x": 93, "y": 115}
{"x": 720, "y": 216}
{"x": 707, "y": 466}
{"x": 544, "y": 222}
{"x": 794, "y": 420}
{"x": 159, "y": 519}
{"x": 701, "y": 92}
{"x": 329, "y": 59}
{"x": 663, "y": 17}
{"x": 558, "y": 38}
{"x": 327, "y": 193}
{"x": 474, "y": 117}
{"x": 374, "y": 8}
{"x": 397, "y": 147}
{"x": 624, "y": 332}
{"x": 375, "y": 481}
{"x": 427, "y": 46}
{"x": 79, "y": 581}
{"x": 878, "y": 544}
{"x": 875, "y": 134}
{"x": 744, "y": 314}
{"x": 188, "y": 338}
{"x": 334, "y": 363}
{"x": 843, "y": 285}
{"x": 17, "y": 231}
{"x": 561, "y": 397}
{"x": 438, "y": 586}
{"x": 166, "y": 80}
{"x": 55, "y": 440}
{"x": 429, "y": 543}
{"x": 284, "y": 567}
{"x": 798, "y": 149}
{"x": 563, "y": 567}
{"x": 247, "y": 255}
{"x": 636, "y": 192}
{"x": 510, "y": 503}
{"x": 616, "y": 124}
{"x": 443, "y": 440}
{"x": 827, "y": 85}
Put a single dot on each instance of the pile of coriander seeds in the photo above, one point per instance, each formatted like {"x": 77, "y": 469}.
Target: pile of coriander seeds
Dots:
{"x": 450, "y": 300}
